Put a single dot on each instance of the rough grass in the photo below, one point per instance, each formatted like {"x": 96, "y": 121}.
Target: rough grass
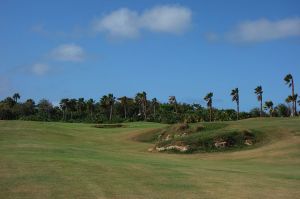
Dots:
{"x": 59, "y": 160}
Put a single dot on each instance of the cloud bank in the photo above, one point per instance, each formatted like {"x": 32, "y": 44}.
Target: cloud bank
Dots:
{"x": 64, "y": 52}
{"x": 127, "y": 23}
{"x": 265, "y": 30}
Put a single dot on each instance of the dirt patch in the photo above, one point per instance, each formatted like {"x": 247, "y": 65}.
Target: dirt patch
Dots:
{"x": 180, "y": 127}
{"x": 199, "y": 128}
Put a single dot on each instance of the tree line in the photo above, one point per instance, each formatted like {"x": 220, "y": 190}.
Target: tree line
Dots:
{"x": 139, "y": 108}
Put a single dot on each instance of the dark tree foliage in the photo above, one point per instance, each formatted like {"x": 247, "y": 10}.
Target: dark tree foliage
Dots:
{"x": 109, "y": 109}
{"x": 283, "y": 110}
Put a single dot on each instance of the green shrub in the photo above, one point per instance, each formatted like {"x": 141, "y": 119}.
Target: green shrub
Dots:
{"x": 202, "y": 137}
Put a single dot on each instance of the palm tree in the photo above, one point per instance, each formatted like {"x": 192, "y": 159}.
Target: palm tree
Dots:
{"x": 269, "y": 106}
{"x": 138, "y": 101}
{"x": 294, "y": 98}
{"x": 141, "y": 100}
{"x": 124, "y": 102}
{"x": 80, "y": 105}
{"x": 44, "y": 107}
{"x": 208, "y": 99}
{"x": 107, "y": 101}
{"x": 172, "y": 100}
{"x": 299, "y": 102}
{"x": 29, "y": 107}
{"x": 259, "y": 92}
{"x": 104, "y": 101}
{"x": 16, "y": 96}
{"x": 90, "y": 106}
{"x": 9, "y": 101}
{"x": 72, "y": 106}
{"x": 154, "y": 103}
{"x": 288, "y": 100}
{"x": 110, "y": 102}
{"x": 64, "y": 106}
{"x": 236, "y": 98}
{"x": 289, "y": 80}
{"x": 144, "y": 102}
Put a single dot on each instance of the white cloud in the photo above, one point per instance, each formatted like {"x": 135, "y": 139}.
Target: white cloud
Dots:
{"x": 68, "y": 52}
{"x": 120, "y": 23}
{"x": 40, "y": 69}
{"x": 170, "y": 19}
{"x": 65, "y": 52}
{"x": 128, "y": 23}
{"x": 265, "y": 30}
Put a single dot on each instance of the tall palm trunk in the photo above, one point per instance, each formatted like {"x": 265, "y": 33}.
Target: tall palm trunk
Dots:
{"x": 210, "y": 113}
{"x": 154, "y": 110}
{"x": 145, "y": 110}
{"x": 294, "y": 100}
{"x": 238, "y": 109}
{"x": 261, "y": 106}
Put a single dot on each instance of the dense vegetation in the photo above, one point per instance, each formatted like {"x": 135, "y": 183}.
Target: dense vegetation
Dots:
{"x": 110, "y": 109}
{"x": 187, "y": 138}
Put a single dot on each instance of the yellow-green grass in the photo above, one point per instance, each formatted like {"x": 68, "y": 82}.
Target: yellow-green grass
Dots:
{"x": 61, "y": 160}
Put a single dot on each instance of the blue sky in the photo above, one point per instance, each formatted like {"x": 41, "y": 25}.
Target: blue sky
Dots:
{"x": 55, "y": 49}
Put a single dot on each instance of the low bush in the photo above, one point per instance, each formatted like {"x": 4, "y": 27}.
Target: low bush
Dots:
{"x": 206, "y": 137}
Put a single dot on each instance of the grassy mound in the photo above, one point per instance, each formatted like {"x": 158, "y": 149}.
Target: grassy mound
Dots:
{"x": 206, "y": 137}
{"x": 177, "y": 130}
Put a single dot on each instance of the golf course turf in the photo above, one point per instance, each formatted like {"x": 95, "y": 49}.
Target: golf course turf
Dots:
{"x": 73, "y": 160}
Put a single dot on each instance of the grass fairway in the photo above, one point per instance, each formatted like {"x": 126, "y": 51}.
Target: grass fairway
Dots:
{"x": 61, "y": 160}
